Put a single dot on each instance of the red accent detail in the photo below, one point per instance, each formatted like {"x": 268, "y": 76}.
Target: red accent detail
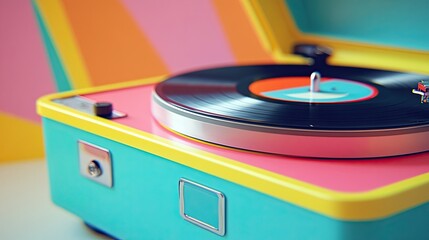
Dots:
{"x": 421, "y": 87}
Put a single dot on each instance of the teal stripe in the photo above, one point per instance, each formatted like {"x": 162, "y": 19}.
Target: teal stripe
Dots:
{"x": 61, "y": 80}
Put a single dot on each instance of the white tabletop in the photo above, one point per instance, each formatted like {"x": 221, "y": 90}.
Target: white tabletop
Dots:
{"x": 26, "y": 211}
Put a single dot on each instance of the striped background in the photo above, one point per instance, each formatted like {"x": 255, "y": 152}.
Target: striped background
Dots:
{"x": 58, "y": 45}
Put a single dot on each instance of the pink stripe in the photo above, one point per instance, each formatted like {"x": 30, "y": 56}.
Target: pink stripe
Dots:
{"x": 24, "y": 70}
{"x": 186, "y": 33}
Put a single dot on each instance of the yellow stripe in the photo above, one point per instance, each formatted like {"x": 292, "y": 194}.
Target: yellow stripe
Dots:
{"x": 20, "y": 139}
{"x": 55, "y": 18}
{"x": 378, "y": 203}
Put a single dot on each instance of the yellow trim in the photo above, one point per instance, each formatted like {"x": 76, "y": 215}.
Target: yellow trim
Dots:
{"x": 378, "y": 203}
{"x": 278, "y": 31}
{"x": 55, "y": 18}
{"x": 267, "y": 35}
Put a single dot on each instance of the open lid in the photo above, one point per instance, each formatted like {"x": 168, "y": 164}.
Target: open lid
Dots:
{"x": 375, "y": 34}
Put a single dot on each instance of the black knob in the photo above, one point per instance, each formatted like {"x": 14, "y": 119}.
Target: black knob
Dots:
{"x": 103, "y": 109}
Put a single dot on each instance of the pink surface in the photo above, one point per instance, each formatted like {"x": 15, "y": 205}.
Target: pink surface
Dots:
{"x": 187, "y": 34}
{"x": 340, "y": 175}
{"x": 24, "y": 71}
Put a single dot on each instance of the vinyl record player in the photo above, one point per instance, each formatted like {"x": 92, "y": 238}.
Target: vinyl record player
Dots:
{"x": 331, "y": 145}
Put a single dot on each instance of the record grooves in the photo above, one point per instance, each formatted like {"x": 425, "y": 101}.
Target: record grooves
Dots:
{"x": 217, "y": 104}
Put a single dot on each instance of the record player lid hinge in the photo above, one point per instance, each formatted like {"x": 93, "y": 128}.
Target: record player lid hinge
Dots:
{"x": 318, "y": 53}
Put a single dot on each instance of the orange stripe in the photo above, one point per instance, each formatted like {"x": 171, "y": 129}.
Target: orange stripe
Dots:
{"x": 242, "y": 37}
{"x": 113, "y": 47}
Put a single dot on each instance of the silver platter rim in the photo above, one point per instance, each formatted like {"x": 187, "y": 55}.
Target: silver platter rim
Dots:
{"x": 293, "y": 142}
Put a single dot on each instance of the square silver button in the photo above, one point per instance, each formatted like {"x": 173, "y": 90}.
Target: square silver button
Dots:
{"x": 95, "y": 163}
{"x": 202, "y": 206}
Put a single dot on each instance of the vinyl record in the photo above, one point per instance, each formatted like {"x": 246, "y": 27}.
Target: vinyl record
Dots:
{"x": 361, "y": 106}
